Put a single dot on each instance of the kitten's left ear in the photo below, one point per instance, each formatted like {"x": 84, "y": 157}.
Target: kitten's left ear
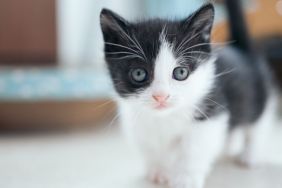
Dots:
{"x": 200, "y": 21}
{"x": 111, "y": 21}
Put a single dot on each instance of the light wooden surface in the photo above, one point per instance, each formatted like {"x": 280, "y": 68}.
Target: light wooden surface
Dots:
{"x": 47, "y": 115}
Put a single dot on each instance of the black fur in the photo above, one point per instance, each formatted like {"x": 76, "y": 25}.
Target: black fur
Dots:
{"x": 246, "y": 86}
{"x": 244, "y": 89}
{"x": 238, "y": 30}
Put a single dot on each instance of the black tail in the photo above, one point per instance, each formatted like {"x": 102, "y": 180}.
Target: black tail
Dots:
{"x": 238, "y": 29}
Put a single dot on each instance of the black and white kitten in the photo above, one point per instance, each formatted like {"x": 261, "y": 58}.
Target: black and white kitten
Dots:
{"x": 178, "y": 99}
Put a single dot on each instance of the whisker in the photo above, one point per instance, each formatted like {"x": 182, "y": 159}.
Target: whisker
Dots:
{"x": 124, "y": 52}
{"x": 197, "y": 45}
{"x": 220, "y": 105}
{"x": 224, "y": 73}
{"x": 197, "y": 52}
{"x": 205, "y": 44}
{"x": 140, "y": 47}
{"x": 190, "y": 57}
{"x": 137, "y": 114}
{"x": 103, "y": 104}
{"x": 109, "y": 126}
{"x": 121, "y": 52}
{"x": 119, "y": 45}
{"x": 201, "y": 112}
{"x": 185, "y": 41}
{"x": 126, "y": 57}
{"x": 136, "y": 43}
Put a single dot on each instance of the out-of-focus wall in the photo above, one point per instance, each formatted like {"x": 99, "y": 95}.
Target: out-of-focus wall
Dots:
{"x": 79, "y": 35}
{"x": 172, "y": 9}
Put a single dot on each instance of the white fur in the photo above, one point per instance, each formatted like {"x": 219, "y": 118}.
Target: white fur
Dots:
{"x": 256, "y": 135}
{"x": 177, "y": 149}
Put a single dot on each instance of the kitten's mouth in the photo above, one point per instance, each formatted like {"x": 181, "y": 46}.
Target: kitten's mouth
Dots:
{"x": 161, "y": 106}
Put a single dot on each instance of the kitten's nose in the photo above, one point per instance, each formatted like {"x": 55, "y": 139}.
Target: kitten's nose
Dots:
{"x": 160, "y": 98}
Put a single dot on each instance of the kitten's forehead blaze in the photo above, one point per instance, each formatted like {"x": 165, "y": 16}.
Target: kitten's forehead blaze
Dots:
{"x": 164, "y": 64}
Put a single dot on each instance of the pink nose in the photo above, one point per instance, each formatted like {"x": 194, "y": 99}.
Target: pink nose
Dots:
{"x": 160, "y": 98}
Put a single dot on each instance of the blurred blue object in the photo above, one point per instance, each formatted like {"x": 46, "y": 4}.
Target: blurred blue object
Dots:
{"x": 178, "y": 8}
{"x": 171, "y": 9}
{"x": 53, "y": 84}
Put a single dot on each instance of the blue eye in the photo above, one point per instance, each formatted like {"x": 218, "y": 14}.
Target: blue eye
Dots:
{"x": 139, "y": 75}
{"x": 180, "y": 73}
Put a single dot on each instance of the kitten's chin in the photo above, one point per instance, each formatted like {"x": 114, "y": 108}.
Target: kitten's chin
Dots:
{"x": 168, "y": 108}
{"x": 162, "y": 108}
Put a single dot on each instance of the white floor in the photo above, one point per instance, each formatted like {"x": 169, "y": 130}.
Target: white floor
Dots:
{"x": 91, "y": 160}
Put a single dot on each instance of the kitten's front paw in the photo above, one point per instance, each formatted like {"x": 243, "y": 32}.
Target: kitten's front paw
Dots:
{"x": 157, "y": 176}
{"x": 247, "y": 160}
{"x": 186, "y": 181}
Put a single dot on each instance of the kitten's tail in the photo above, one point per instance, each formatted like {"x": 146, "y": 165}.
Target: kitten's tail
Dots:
{"x": 238, "y": 28}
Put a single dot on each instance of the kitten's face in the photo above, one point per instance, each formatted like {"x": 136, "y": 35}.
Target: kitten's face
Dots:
{"x": 160, "y": 65}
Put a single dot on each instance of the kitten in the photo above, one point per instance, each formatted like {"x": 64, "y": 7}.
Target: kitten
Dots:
{"x": 178, "y": 99}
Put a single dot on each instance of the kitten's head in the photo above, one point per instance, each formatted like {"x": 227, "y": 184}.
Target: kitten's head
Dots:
{"x": 160, "y": 65}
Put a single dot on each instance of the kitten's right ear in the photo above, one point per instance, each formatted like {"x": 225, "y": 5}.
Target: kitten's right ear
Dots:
{"x": 201, "y": 21}
{"x": 112, "y": 22}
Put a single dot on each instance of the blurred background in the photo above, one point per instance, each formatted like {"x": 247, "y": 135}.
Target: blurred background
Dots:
{"x": 53, "y": 80}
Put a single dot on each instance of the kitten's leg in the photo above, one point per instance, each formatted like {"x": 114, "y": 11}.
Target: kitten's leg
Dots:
{"x": 254, "y": 145}
{"x": 157, "y": 174}
{"x": 199, "y": 150}
{"x": 158, "y": 170}
{"x": 234, "y": 142}
{"x": 256, "y": 136}
{"x": 155, "y": 169}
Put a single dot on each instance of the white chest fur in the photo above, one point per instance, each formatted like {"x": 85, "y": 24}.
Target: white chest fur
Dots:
{"x": 159, "y": 135}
